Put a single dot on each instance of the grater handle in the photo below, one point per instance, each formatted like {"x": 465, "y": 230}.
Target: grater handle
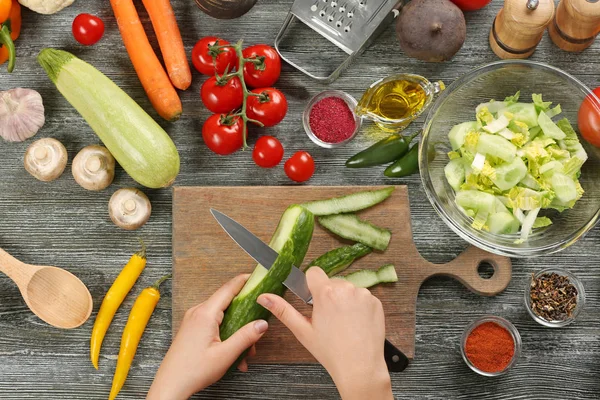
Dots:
{"x": 326, "y": 79}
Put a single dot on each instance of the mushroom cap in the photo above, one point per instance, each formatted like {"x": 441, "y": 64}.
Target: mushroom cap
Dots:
{"x": 46, "y": 159}
{"x": 129, "y": 208}
{"x": 93, "y": 168}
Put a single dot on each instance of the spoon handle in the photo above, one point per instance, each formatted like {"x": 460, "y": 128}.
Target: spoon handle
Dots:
{"x": 16, "y": 270}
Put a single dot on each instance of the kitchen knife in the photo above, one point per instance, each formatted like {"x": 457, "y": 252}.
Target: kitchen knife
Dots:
{"x": 296, "y": 281}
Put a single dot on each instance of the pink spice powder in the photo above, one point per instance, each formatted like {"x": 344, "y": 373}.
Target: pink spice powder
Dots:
{"x": 331, "y": 120}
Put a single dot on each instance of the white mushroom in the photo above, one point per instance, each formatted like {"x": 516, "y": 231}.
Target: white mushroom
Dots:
{"x": 46, "y": 159}
{"x": 129, "y": 208}
{"x": 94, "y": 168}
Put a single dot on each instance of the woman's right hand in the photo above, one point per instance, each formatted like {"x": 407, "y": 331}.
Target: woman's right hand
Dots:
{"x": 346, "y": 334}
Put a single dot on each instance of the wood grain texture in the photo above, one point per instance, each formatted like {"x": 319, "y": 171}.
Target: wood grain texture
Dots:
{"x": 205, "y": 257}
{"x": 61, "y": 224}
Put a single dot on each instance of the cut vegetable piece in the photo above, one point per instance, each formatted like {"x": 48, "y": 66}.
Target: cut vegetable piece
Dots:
{"x": 529, "y": 181}
{"x": 564, "y": 187}
{"x": 478, "y": 163}
{"x": 497, "y": 125}
{"x": 502, "y": 223}
{"x": 534, "y": 132}
{"x": 519, "y": 215}
{"x": 549, "y": 128}
{"x": 349, "y": 226}
{"x": 335, "y": 261}
{"x": 492, "y": 106}
{"x": 455, "y": 173}
{"x": 524, "y": 112}
{"x": 509, "y": 174}
{"x": 476, "y": 200}
{"x": 541, "y": 222}
{"x": 458, "y": 132}
{"x": 496, "y": 146}
{"x": 507, "y": 134}
{"x": 571, "y": 140}
{"x": 550, "y": 168}
{"x": 350, "y": 203}
{"x": 528, "y": 224}
{"x": 366, "y": 278}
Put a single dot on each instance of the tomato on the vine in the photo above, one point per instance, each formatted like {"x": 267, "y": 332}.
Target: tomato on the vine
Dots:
{"x": 87, "y": 29}
{"x": 589, "y": 118}
{"x": 223, "y": 134}
{"x": 471, "y": 5}
{"x": 266, "y": 70}
{"x": 222, "y": 96}
{"x": 202, "y": 56}
{"x": 300, "y": 167}
{"x": 269, "y": 107}
{"x": 267, "y": 152}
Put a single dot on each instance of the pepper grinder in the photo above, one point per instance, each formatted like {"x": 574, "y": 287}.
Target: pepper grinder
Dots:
{"x": 576, "y": 24}
{"x": 519, "y": 27}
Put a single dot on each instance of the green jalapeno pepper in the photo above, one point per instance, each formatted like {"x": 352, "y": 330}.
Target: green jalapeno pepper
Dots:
{"x": 407, "y": 165}
{"x": 387, "y": 150}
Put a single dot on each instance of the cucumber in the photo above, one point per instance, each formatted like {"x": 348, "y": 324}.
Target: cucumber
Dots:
{"x": 523, "y": 112}
{"x": 508, "y": 175}
{"x": 350, "y": 203}
{"x": 476, "y": 200}
{"x": 549, "y": 128}
{"x": 366, "y": 278}
{"x": 349, "y": 226}
{"x": 455, "y": 173}
{"x": 496, "y": 146}
{"x": 502, "y": 223}
{"x": 458, "y": 132}
{"x": 564, "y": 187}
{"x": 335, "y": 261}
{"x": 291, "y": 241}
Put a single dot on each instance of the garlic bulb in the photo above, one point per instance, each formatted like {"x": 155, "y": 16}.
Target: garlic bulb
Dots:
{"x": 21, "y": 114}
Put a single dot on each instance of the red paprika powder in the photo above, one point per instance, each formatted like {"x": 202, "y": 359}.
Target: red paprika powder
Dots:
{"x": 490, "y": 347}
{"x": 331, "y": 120}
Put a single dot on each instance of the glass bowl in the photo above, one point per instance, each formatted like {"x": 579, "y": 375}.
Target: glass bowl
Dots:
{"x": 457, "y": 104}
{"x": 505, "y": 324}
{"x": 350, "y": 102}
{"x": 580, "y": 298}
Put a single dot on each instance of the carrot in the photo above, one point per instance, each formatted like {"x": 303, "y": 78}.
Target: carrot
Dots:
{"x": 170, "y": 42}
{"x": 150, "y": 71}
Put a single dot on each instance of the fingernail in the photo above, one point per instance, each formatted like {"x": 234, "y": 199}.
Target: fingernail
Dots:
{"x": 261, "y": 326}
{"x": 264, "y": 301}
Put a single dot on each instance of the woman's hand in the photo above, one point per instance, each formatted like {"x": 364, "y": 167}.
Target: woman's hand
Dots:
{"x": 197, "y": 357}
{"x": 346, "y": 334}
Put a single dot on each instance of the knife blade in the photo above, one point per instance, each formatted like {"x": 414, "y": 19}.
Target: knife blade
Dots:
{"x": 395, "y": 360}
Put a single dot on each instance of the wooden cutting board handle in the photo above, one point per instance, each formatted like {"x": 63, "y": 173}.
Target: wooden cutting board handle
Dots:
{"x": 576, "y": 24}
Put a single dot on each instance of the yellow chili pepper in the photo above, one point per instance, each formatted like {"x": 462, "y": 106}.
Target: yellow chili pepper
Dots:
{"x": 136, "y": 324}
{"x": 113, "y": 299}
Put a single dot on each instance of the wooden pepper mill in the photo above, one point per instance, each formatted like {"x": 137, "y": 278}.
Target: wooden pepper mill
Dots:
{"x": 576, "y": 24}
{"x": 519, "y": 27}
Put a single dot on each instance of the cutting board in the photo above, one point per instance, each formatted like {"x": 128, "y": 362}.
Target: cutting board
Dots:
{"x": 205, "y": 257}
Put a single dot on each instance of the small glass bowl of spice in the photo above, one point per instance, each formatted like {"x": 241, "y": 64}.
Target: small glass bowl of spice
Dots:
{"x": 554, "y": 297}
{"x": 329, "y": 119}
{"x": 491, "y": 346}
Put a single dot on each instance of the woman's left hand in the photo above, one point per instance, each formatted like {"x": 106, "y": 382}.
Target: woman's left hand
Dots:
{"x": 197, "y": 357}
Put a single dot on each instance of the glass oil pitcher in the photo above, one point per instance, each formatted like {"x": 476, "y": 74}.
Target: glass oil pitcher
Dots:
{"x": 394, "y": 102}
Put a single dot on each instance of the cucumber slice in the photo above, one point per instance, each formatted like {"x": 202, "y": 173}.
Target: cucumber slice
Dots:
{"x": 502, "y": 223}
{"x": 458, "y": 132}
{"x": 529, "y": 181}
{"x": 335, "y": 261}
{"x": 476, "y": 200}
{"x": 564, "y": 187}
{"x": 550, "y": 168}
{"x": 349, "y": 226}
{"x": 350, "y": 203}
{"x": 509, "y": 174}
{"x": 549, "y": 128}
{"x": 523, "y": 112}
{"x": 492, "y": 106}
{"x": 455, "y": 173}
{"x": 496, "y": 146}
{"x": 366, "y": 278}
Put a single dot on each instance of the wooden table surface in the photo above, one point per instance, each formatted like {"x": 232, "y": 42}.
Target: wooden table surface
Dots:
{"x": 61, "y": 224}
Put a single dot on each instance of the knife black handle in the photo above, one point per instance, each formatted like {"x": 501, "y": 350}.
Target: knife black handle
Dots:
{"x": 395, "y": 360}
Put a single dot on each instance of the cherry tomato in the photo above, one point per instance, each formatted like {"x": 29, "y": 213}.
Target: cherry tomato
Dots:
{"x": 471, "y": 5}
{"x": 223, "y": 134}
{"x": 267, "y": 71}
{"x": 222, "y": 97}
{"x": 202, "y": 56}
{"x": 269, "y": 108}
{"x": 589, "y": 119}
{"x": 267, "y": 152}
{"x": 87, "y": 29}
{"x": 300, "y": 167}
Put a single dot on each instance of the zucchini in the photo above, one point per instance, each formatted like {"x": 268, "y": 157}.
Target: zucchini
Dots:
{"x": 349, "y": 226}
{"x": 366, "y": 278}
{"x": 291, "y": 241}
{"x": 335, "y": 261}
{"x": 350, "y": 203}
{"x": 137, "y": 142}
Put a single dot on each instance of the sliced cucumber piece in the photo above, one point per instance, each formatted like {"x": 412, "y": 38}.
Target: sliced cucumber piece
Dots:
{"x": 529, "y": 181}
{"x": 549, "y": 128}
{"x": 492, "y": 106}
{"x": 524, "y": 112}
{"x": 458, "y": 132}
{"x": 335, "y": 261}
{"x": 496, "y": 146}
{"x": 564, "y": 187}
{"x": 509, "y": 174}
{"x": 366, "y": 278}
{"x": 550, "y": 168}
{"x": 502, "y": 223}
{"x": 349, "y": 226}
{"x": 455, "y": 173}
{"x": 476, "y": 200}
{"x": 350, "y": 203}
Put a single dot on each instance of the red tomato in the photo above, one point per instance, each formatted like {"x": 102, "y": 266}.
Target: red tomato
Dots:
{"x": 267, "y": 152}
{"x": 87, "y": 29}
{"x": 589, "y": 118}
{"x": 222, "y": 98}
{"x": 270, "y": 108}
{"x": 223, "y": 134}
{"x": 267, "y": 71}
{"x": 300, "y": 167}
{"x": 471, "y": 5}
{"x": 202, "y": 56}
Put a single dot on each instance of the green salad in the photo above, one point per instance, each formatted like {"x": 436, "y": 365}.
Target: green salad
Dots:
{"x": 512, "y": 162}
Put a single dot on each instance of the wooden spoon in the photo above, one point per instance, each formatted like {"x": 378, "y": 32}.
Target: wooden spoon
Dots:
{"x": 56, "y": 296}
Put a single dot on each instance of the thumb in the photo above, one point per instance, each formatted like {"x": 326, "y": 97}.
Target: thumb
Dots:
{"x": 244, "y": 338}
{"x": 297, "y": 323}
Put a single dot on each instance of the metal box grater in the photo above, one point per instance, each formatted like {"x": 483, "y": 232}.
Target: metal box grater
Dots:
{"x": 351, "y": 25}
